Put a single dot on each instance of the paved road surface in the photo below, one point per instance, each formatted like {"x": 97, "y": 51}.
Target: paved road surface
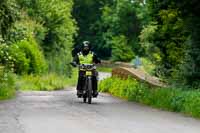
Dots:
{"x": 103, "y": 75}
{"x": 62, "y": 112}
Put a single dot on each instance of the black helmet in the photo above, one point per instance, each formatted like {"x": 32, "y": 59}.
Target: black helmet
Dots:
{"x": 86, "y": 47}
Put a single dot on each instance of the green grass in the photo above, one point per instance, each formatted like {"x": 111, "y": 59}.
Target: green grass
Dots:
{"x": 172, "y": 99}
{"x": 7, "y": 93}
{"x": 10, "y": 83}
{"x": 104, "y": 69}
{"x": 7, "y": 85}
{"x": 46, "y": 82}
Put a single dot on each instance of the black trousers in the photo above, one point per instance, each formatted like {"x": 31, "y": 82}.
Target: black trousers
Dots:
{"x": 81, "y": 80}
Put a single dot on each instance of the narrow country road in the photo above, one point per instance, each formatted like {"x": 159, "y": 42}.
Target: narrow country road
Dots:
{"x": 62, "y": 112}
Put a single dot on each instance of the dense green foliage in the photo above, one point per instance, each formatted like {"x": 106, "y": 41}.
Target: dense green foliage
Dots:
{"x": 165, "y": 32}
{"x": 35, "y": 39}
{"x": 174, "y": 39}
{"x": 120, "y": 27}
{"x": 45, "y": 23}
{"x": 57, "y": 31}
{"x": 8, "y": 16}
{"x": 173, "y": 99}
{"x": 107, "y": 23}
{"x": 86, "y": 12}
{"x": 23, "y": 57}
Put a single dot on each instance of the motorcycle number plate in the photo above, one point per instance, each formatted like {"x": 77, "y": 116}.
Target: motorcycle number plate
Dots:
{"x": 88, "y": 73}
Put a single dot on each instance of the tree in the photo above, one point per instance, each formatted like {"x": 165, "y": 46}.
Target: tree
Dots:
{"x": 87, "y": 13}
{"x": 190, "y": 14}
{"x": 60, "y": 29}
{"x": 176, "y": 38}
{"x": 122, "y": 18}
{"x": 7, "y": 17}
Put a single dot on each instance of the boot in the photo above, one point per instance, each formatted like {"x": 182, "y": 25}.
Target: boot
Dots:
{"x": 79, "y": 93}
{"x": 95, "y": 93}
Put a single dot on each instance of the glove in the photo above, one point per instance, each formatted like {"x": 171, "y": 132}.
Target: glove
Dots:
{"x": 73, "y": 64}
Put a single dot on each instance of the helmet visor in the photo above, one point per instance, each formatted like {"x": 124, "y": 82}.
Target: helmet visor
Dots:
{"x": 86, "y": 48}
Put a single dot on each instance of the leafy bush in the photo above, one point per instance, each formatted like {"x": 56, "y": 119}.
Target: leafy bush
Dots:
{"x": 172, "y": 99}
{"x": 8, "y": 15}
{"x": 23, "y": 57}
{"x": 56, "y": 34}
{"x": 121, "y": 51}
{"x": 32, "y": 51}
{"x": 26, "y": 27}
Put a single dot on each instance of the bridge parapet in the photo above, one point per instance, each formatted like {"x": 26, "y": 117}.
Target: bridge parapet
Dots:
{"x": 125, "y": 72}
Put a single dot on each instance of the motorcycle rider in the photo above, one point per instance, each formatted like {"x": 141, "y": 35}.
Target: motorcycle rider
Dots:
{"x": 86, "y": 56}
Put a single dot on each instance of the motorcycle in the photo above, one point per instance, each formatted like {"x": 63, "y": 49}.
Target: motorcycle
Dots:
{"x": 87, "y": 88}
{"x": 88, "y": 75}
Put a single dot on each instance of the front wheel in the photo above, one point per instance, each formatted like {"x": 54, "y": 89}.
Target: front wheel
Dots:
{"x": 89, "y": 91}
{"x": 90, "y": 98}
{"x": 84, "y": 97}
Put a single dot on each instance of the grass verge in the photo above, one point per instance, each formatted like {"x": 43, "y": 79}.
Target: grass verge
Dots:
{"x": 48, "y": 82}
{"x": 172, "y": 99}
{"x": 104, "y": 69}
{"x": 7, "y": 86}
{"x": 9, "y": 83}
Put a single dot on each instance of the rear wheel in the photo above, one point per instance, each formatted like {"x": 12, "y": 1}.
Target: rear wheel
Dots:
{"x": 84, "y": 99}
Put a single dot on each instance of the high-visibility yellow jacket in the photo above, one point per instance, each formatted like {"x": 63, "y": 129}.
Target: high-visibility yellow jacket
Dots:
{"x": 86, "y": 59}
